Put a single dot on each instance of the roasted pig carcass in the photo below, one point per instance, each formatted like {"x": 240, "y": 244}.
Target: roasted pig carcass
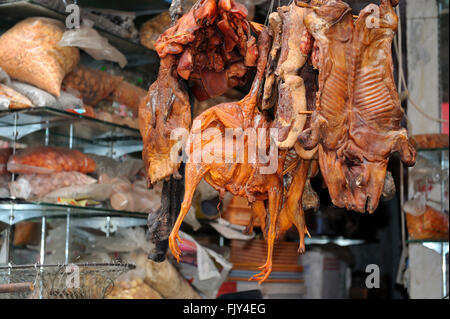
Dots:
{"x": 243, "y": 177}
{"x": 214, "y": 47}
{"x": 358, "y": 113}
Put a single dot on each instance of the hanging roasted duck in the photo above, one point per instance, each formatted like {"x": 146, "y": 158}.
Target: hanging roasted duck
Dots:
{"x": 239, "y": 177}
{"x": 357, "y": 120}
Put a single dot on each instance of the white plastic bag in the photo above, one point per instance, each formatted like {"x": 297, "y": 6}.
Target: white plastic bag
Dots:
{"x": 111, "y": 167}
{"x": 37, "y": 96}
{"x": 97, "y": 192}
{"x": 206, "y": 278}
{"x": 38, "y": 185}
{"x": 93, "y": 43}
{"x": 69, "y": 101}
{"x": 4, "y": 103}
{"x": 230, "y": 231}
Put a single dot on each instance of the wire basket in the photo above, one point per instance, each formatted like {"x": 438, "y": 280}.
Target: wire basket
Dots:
{"x": 66, "y": 281}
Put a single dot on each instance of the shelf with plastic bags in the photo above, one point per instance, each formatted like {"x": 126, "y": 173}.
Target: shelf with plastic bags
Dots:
{"x": 13, "y": 12}
{"x": 58, "y": 127}
{"x": 14, "y": 211}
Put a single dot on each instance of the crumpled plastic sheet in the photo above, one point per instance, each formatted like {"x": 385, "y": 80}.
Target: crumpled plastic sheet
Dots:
{"x": 88, "y": 39}
{"x": 207, "y": 279}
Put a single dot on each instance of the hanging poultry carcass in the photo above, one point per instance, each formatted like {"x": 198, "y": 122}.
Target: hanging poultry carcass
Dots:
{"x": 290, "y": 89}
{"x": 357, "y": 120}
{"x": 241, "y": 178}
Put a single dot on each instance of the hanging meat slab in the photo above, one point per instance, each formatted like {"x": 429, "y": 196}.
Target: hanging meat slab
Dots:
{"x": 290, "y": 50}
{"x": 358, "y": 114}
{"x": 214, "y": 47}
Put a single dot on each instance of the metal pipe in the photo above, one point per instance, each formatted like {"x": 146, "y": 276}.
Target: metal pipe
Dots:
{"x": 444, "y": 245}
{"x": 16, "y": 287}
{"x": 108, "y": 226}
{"x": 67, "y": 244}
{"x": 7, "y": 244}
{"x": 47, "y": 133}
{"x": 67, "y": 248}
{"x": 42, "y": 255}
{"x": 42, "y": 248}
{"x": 71, "y": 135}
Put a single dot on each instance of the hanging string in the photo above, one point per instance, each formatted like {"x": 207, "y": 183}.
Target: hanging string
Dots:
{"x": 269, "y": 12}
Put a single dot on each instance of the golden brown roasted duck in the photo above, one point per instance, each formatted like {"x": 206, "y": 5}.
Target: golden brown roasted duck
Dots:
{"x": 243, "y": 177}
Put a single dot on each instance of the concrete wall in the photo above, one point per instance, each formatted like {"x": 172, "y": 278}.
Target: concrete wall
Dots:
{"x": 423, "y": 64}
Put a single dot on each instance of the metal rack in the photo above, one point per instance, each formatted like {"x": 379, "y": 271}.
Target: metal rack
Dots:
{"x": 50, "y": 126}
{"x": 440, "y": 156}
{"x": 62, "y": 281}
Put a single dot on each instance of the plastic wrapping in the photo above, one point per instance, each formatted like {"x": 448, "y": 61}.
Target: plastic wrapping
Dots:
{"x": 37, "y": 96}
{"x": 129, "y": 95}
{"x": 68, "y": 100}
{"x": 4, "y": 78}
{"x": 111, "y": 167}
{"x": 93, "y": 85}
{"x": 425, "y": 175}
{"x": 29, "y": 52}
{"x": 96, "y": 192}
{"x": 14, "y": 99}
{"x": 80, "y": 242}
{"x": 37, "y": 185}
{"x": 116, "y": 22}
{"x": 49, "y": 159}
{"x": 135, "y": 198}
{"x": 93, "y": 43}
{"x": 203, "y": 272}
